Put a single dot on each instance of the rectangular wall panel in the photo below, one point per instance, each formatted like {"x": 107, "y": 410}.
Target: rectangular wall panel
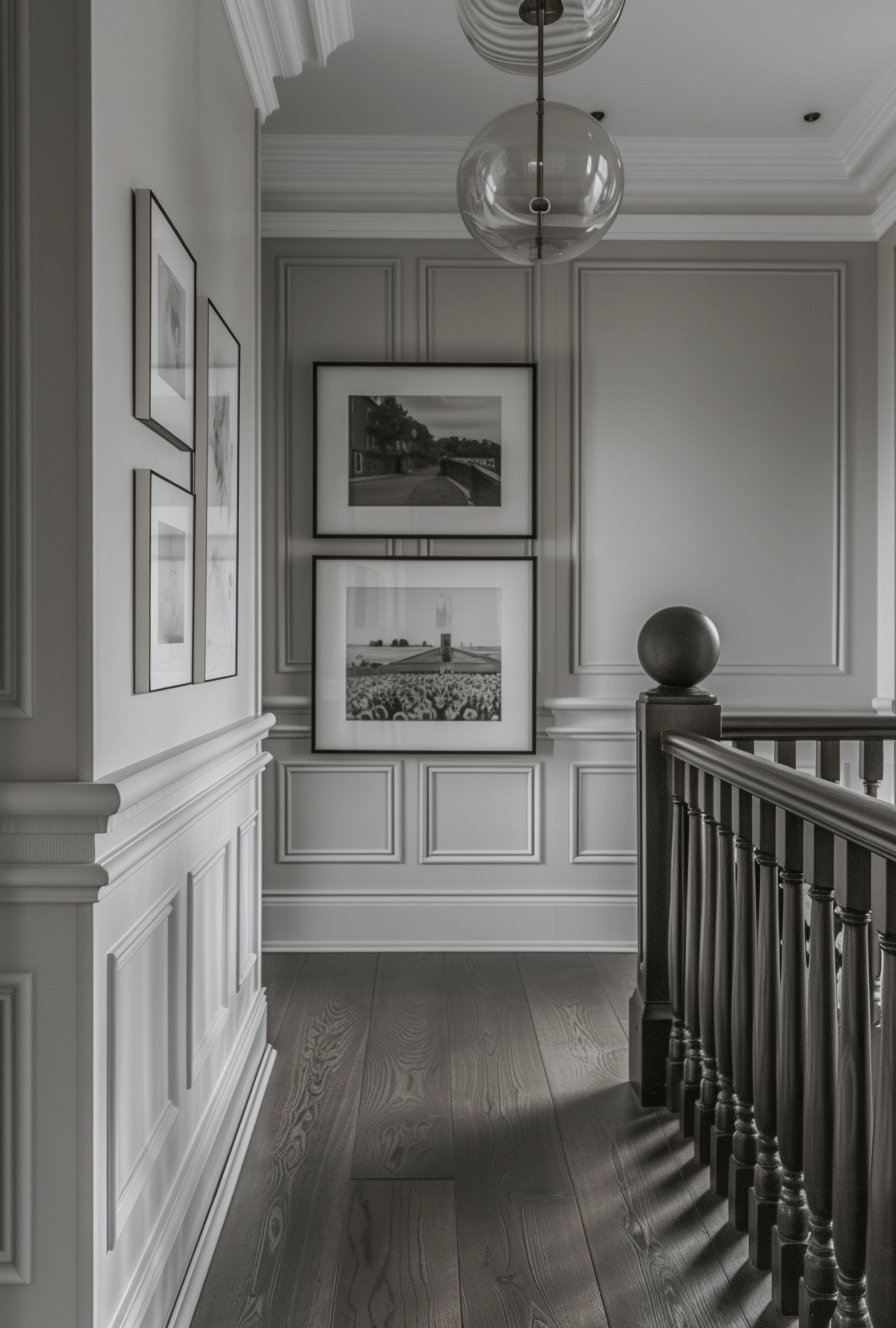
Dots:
{"x": 208, "y": 887}
{"x": 472, "y": 311}
{"x": 141, "y": 1088}
{"x": 602, "y": 813}
{"x": 339, "y": 813}
{"x": 16, "y": 1106}
{"x": 480, "y": 813}
{"x": 710, "y": 407}
{"x": 247, "y": 889}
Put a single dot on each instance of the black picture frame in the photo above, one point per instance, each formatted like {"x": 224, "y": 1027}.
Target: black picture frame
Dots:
{"x": 164, "y": 551}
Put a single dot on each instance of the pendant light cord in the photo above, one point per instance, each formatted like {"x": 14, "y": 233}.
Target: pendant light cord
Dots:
{"x": 539, "y": 109}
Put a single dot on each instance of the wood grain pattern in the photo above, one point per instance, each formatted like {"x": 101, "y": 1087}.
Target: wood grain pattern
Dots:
{"x": 279, "y": 975}
{"x": 404, "y": 1117}
{"x": 655, "y": 1263}
{"x": 522, "y": 1253}
{"x": 618, "y": 974}
{"x": 276, "y": 1260}
{"x": 398, "y": 1264}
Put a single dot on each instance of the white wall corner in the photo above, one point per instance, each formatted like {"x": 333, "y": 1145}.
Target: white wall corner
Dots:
{"x": 275, "y": 38}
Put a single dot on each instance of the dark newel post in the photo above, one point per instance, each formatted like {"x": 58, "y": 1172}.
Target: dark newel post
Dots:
{"x": 705, "y": 1108}
{"x": 791, "y": 1233}
{"x": 723, "y": 1127}
{"x": 677, "y": 867}
{"x": 693, "y": 1070}
{"x": 818, "y": 1289}
{"x": 852, "y": 1122}
{"x": 744, "y": 1143}
{"x": 882, "y": 1204}
{"x": 678, "y": 647}
{"x": 766, "y": 1190}
{"x": 871, "y": 772}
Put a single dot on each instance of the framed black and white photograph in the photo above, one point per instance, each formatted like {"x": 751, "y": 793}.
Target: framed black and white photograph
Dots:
{"x": 164, "y": 323}
{"x": 163, "y": 583}
{"x": 424, "y": 450}
{"x": 216, "y": 485}
{"x": 424, "y": 655}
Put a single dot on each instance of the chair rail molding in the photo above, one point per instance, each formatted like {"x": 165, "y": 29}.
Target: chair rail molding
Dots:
{"x": 586, "y": 718}
{"x": 276, "y": 38}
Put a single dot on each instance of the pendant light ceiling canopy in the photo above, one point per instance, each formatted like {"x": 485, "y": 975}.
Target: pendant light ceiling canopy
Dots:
{"x": 494, "y": 30}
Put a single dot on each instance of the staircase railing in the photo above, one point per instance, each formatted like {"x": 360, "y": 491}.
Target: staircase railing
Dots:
{"x": 767, "y": 1056}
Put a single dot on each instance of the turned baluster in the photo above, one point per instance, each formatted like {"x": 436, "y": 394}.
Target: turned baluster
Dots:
{"x": 882, "y": 1203}
{"x": 871, "y": 773}
{"x": 744, "y": 1143}
{"x": 693, "y": 1066}
{"x": 791, "y": 1232}
{"x": 766, "y": 1190}
{"x": 675, "y": 1059}
{"x": 723, "y": 1127}
{"x": 852, "y": 1120}
{"x": 705, "y": 1108}
{"x": 818, "y": 1288}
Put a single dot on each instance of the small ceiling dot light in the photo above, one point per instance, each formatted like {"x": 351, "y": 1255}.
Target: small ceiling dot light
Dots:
{"x": 493, "y": 29}
{"x": 812, "y": 117}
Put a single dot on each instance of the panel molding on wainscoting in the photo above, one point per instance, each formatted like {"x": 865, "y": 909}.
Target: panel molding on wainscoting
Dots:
{"x": 578, "y": 854}
{"x": 16, "y": 1125}
{"x": 248, "y": 876}
{"x": 391, "y": 848}
{"x": 430, "y": 852}
{"x": 837, "y": 271}
{"x": 124, "y": 1191}
{"x": 450, "y": 921}
{"x": 287, "y": 660}
{"x": 428, "y": 268}
{"x": 207, "y": 943}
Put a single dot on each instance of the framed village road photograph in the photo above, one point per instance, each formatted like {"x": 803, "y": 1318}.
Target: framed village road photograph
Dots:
{"x": 164, "y": 323}
{"x": 163, "y": 583}
{"x": 423, "y": 655}
{"x": 424, "y": 450}
{"x": 216, "y": 485}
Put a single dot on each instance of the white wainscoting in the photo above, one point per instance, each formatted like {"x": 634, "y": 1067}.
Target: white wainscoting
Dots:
{"x": 602, "y": 813}
{"x": 480, "y": 813}
{"x": 248, "y": 894}
{"x": 208, "y": 899}
{"x": 16, "y": 1097}
{"x": 329, "y": 812}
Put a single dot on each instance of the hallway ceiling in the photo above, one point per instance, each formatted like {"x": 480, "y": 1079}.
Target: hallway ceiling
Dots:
{"x": 694, "y": 68}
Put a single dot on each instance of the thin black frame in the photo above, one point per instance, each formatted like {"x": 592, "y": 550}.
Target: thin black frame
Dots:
{"x": 200, "y": 488}
{"x": 426, "y": 751}
{"x": 142, "y": 583}
{"x": 530, "y": 365}
{"x": 142, "y": 228}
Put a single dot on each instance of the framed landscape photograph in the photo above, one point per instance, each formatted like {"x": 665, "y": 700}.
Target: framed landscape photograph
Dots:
{"x": 423, "y": 655}
{"x": 163, "y": 583}
{"x": 216, "y": 484}
{"x": 424, "y": 450}
{"x": 164, "y": 323}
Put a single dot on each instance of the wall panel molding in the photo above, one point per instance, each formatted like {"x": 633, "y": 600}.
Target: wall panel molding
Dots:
{"x": 208, "y": 943}
{"x": 442, "y": 838}
{"x": 428, "y": 272}
{"x": 354, "y": 812}
{"x": 248, "y": 890}
{"x": 16, "y": 1125}
{"x": 580, "y": 773}
{"x": 16, "y": 573}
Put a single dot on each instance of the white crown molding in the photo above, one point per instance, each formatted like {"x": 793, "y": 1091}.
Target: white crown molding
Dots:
{"x": 275, "y": 38}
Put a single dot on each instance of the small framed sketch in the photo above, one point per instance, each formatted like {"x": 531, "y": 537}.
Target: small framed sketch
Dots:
{"x": 423, "y": 655}
{"x": 164, "y": 323}
{"x": 424, "y": 450}
{"x": 163, "y": 583}
{"x": 216, "y": 484}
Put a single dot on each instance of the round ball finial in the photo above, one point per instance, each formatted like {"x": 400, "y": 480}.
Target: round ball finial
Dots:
{"x": 679, "y": 647}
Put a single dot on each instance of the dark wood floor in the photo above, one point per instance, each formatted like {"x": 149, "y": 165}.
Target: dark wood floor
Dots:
{"x": 449, "y": 1141}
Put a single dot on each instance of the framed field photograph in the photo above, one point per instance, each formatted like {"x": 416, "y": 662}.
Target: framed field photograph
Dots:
{"x": 423, "y": 655}
{"x": 164, "y": 323}
{"x": 216, "y": 484}
{"x": 424, "y": 450}
{"x": 163, "y": 583}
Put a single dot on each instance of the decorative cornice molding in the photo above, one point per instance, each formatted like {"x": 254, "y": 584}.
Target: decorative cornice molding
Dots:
{"x": 275, "y": 38}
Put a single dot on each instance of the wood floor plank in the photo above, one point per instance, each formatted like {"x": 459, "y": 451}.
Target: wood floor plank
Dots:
{"x": 398, "y": 1264}
{"x": 655, "y": 1261}
{"x": 522, "y": 1253}
{"x": 618, "y": 974}
{"x": 279, "y": 975}
{"x": 276, "y": 1260}
{"x": 404, "y": 1116}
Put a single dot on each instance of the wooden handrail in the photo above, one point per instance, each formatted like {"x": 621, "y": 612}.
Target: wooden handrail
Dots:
{"x": 843, "y": 728}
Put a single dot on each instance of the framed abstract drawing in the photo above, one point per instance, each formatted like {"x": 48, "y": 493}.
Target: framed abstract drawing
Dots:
{"x": 164, "y": 324}
{"x": 424, "y": 450}
{"x": 163, "y": 583}
{"x": 423, "y": 655}
{"x": 216, "y": 485}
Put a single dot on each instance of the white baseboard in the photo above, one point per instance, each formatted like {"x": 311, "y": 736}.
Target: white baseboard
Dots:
{"x": 197, "y": 1269}
{"x": 449, "y": 922}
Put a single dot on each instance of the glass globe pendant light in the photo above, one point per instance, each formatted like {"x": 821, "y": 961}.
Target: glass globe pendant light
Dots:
{"x": 493, "y": 29}
{"x": 542, "y": 188}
